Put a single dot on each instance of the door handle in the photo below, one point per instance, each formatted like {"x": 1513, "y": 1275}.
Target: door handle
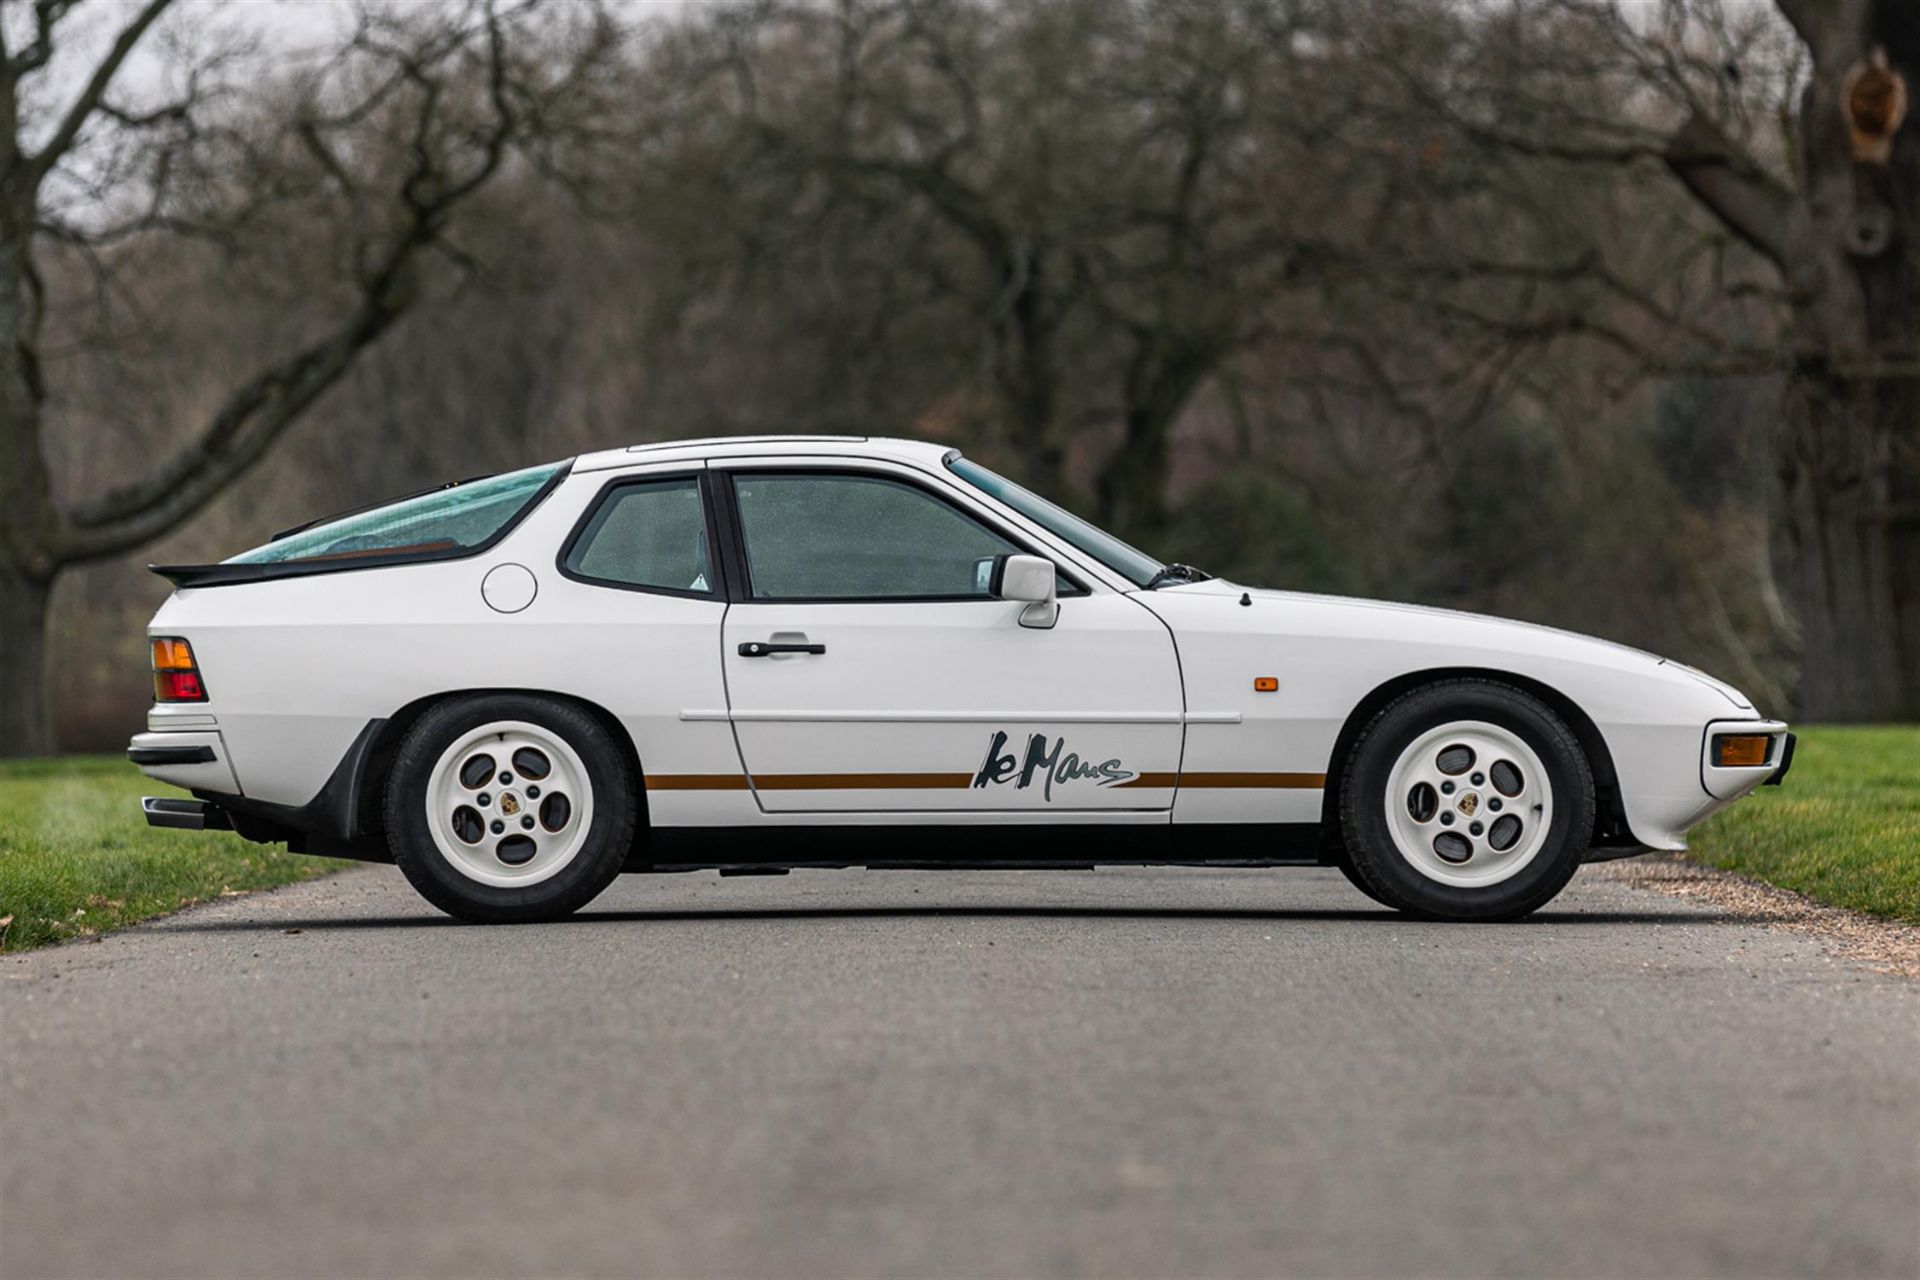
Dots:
{"x": 767, "y": 648}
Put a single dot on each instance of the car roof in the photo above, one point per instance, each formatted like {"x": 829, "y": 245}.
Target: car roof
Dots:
{"x": 923, "y": 452}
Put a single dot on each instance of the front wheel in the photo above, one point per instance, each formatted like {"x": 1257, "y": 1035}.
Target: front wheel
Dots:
{"x": 1466, "y": 800}
{"x": 504, "y": 808}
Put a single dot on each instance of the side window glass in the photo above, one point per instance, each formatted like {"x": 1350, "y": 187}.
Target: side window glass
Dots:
{"x": 840, "y": 537}
{"x": 649, "y": 534}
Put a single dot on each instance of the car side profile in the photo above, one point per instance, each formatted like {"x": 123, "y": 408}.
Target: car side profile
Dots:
{"x": 756, "y": 654}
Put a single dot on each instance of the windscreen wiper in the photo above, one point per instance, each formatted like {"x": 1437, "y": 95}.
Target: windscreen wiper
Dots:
{"x": 1177, "y": 573}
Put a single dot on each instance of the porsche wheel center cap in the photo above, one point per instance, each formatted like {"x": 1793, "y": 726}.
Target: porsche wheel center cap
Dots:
{"x": 509, "y": 803}
{"x": 1469, "y": 804}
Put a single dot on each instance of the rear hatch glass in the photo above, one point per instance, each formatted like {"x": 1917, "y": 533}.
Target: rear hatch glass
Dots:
{"x": 446, "y": 521}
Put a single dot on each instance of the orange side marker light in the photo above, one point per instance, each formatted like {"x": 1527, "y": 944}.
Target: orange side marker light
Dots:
{"x": 1266, "y": 684}
{"x": 1740, "y": 750}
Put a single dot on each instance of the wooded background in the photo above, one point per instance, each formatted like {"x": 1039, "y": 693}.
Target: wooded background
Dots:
{"x": 1601, "y": 315}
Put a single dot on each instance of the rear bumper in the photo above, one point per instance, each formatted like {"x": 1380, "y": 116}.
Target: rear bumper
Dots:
{"x": 191, "y": 759}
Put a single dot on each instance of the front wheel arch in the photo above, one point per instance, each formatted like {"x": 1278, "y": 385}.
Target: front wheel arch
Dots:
{"x": 1610, "y": 817}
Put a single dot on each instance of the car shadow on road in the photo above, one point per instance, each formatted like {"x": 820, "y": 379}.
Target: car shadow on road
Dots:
{"x": 585, "y": 919}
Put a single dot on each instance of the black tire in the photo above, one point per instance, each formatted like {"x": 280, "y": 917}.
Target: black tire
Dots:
{"x": 1344, "y": 861}
{"x": 1376, "y": 861}
{"x": 439, "y": 881}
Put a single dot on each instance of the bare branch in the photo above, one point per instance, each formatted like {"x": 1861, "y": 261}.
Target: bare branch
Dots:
{"x": 1733, "y": 188}
{"x": 257, "y": 412}
{"x": 46, "y": 15}
{"x": 234, "y": 439}
{"x": 96, "y": 88}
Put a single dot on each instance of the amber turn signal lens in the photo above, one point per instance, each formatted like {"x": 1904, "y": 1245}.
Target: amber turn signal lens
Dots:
{"x": 175, "y": 677}
{"x": 1741, "y": 750}
{"x": 1266, "y": 684}
{"x": 172, "y": 654}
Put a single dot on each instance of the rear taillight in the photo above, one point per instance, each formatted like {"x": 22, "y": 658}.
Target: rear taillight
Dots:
{"x": 175, "y": 677}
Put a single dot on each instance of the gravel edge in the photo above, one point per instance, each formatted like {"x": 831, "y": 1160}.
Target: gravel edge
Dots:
{"x": 1883, "y": 946}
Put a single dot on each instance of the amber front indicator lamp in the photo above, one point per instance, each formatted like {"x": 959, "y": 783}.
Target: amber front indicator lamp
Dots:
{"x": 1741, "y": 750}
{"x": 175, "y": 677}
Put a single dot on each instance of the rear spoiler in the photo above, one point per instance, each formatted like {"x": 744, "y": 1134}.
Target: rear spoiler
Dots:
{"x": 218, "y": 575}
{"x": 215, "y": 575}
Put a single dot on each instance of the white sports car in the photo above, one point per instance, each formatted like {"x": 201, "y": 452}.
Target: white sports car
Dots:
{"x": 760, "y": 654}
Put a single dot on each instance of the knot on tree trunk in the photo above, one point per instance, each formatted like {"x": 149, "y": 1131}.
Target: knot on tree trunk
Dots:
{"x": 1873, "y": 97}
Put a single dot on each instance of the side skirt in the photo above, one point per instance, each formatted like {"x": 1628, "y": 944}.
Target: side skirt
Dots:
{"x": 998, "y": 847}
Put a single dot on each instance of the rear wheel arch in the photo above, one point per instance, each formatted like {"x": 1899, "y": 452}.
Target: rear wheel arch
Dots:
{"x": 378, "y": 762}
{"x": 1610, "y": 823}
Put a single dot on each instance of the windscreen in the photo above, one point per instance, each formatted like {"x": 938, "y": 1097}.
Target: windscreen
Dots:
{"x": 1129, "y": 562}
{"x": 445, "y": 521}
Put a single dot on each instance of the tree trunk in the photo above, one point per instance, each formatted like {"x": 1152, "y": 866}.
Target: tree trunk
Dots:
{"x": 1847, "y": 536}
{"x": 1132, "y": 487}
{"x": 26, "y": 720}
{"x": 27, "y": 514}
{"x": 1847, "y": 539}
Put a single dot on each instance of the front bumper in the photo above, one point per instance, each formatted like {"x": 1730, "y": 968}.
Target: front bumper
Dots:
{"x": 1730, "y": 782}
{"x": 1779, "y": 775}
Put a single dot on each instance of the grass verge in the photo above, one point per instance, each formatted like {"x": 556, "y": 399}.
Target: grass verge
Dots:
{"x": 77, "y": 857}
{"x": 1844, "y": 829}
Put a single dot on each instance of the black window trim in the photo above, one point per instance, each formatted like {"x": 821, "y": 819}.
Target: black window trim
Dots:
{"x": 720, "y": 591}
{"x": 741, "y": 576}
{"x": 226, "y": 575}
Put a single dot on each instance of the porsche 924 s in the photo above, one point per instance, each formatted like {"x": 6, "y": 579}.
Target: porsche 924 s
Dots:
{"x": 769, "y": 653}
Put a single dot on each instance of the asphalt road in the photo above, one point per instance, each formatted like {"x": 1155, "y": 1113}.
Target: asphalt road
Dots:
{"x": 1153, "y": 1072}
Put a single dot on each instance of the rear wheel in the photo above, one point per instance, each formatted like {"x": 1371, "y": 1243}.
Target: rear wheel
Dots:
{"x": 1466, "y": 800}
{"x": 509, "y": 807}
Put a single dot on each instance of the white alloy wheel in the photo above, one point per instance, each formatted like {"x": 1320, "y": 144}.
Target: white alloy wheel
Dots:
{"x": 509, "y": 804}
{"x": 1469, "y": 804}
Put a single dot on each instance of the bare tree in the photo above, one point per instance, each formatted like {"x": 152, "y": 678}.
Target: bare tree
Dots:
{"x": 1787, "y": 128}
{"x": 368, "y": 152}
{"x": 1092, "y": 187}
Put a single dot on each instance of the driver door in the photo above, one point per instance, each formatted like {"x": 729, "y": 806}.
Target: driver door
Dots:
{"x": 870, "y": 670}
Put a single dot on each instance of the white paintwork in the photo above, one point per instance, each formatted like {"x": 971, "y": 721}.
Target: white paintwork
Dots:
{"x": 1160, "y": 681}
{"x": 1104, "y": 680}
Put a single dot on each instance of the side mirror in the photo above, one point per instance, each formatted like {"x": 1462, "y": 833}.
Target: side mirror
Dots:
{"x": 1029, "y": 579}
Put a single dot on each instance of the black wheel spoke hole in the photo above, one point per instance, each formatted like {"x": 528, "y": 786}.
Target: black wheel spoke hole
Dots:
{"x": 516, "y": 851}
{"x": 1504, "y": 833}
{"x": 1422, "y": 802}
{"x": 531, "y": 765}
{"x": 1452, "y": 846}
{"x": 475, "y": 772}
{"x": 468, "y": 825}
{"x": 555, "y": 810}
{"x": 1506, "y": 778}
{"x": 1456, "y": 759}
